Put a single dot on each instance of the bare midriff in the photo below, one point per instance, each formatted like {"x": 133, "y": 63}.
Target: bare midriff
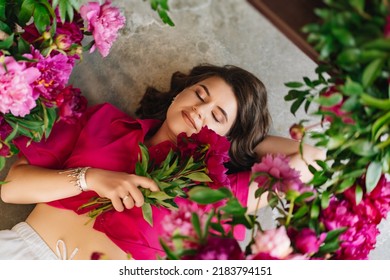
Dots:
{"x": 53, "y": 223}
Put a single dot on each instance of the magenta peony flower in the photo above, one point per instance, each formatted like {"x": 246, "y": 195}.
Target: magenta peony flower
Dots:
{"x": 273, "y": 242}
{"x": 387, "y": 27}
{"x": 215, "y": 150}
{"x": 104, "y": 22}
{"x": 16, "y": 94}
{"x": 306, "y": 240}
{"x": 336, "y": 109}
{"x": 71, "y": 104}
{"x": 380, "y": 196}
{"x": 359, "y": 238}
{"x": 55, "y": 72}
{"x": 5, "y": 128}
{"x": 68, "y": 34}
{"x": 279, "y": 172}
{"x": 218, "y": 248}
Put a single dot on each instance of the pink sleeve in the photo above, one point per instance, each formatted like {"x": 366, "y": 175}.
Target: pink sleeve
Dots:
{"x": 52, "y": 152}
{"x": 239, "y": 183}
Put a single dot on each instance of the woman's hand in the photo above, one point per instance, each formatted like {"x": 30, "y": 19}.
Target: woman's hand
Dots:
{"x": 120, "y": 187}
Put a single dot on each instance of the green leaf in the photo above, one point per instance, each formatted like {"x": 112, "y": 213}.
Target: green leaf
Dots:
{"x": 345, "y": 184}
{"x": 234, "y": 207}
{"x": 205, "y": 195}
{"x": 372, "y": 71}
{"x": 160, "y": 195}
{"x": 196, "y": 223}
{"x": 329, "y": 101}
{"x": 380, "y": 44}
{"x": 41, "y": 18}
{"x": 333, "y": 234}
{"x": 2, "y": 10}
{"x": 23, "y": 46}
{"x": 325, "y": 198}
{"x": 26, "y": 11}
{"x": 358, "y": 194}
{"x": 7, "y": 43}
{"x": 315, "y": 210}
{"x": 295, "y": 106}
{"x": 301, "y": 212}
{"x": 358, "y": 5}
{"x": 12, "y": 135}
{"x": 198, "y": 177}
{"x": 329, "y": 247}
{"x": 2, "y": 164}
{"x": 147, "y": 213}
{"x": 63, "y": 7}
{"x": 344, "y": 36}
{"x": 4, "y": 27}
{"x": 374, "y": 172}
{"x": 294, "y": 84}
{"x": 349, "y": 56}
{"x": 363, "y": 147}
{"x": 383, "y": 121}
{"x": 352, "y": 88}
{"x": 383, "y": 104}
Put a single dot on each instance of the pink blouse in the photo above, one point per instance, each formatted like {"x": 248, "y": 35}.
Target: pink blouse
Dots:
{"x": 107, "y": 138}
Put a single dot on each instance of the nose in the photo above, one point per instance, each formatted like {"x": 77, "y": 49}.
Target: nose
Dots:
{"x": 196, "y": 111}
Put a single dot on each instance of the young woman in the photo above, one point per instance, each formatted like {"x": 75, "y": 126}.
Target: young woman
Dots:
{"x": 100, "y": 153}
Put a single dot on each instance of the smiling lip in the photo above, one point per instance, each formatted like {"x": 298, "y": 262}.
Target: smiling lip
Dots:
{"x": 187, "y": 118}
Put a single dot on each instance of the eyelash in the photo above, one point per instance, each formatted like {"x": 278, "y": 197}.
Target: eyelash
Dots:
{"x": 200, "y": 98}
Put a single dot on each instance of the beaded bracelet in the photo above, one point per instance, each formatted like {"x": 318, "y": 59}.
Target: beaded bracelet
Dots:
{"x": 79, "y": 177}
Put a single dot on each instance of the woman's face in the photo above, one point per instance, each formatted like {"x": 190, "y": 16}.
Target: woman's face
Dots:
{"x": 210, "y": 103}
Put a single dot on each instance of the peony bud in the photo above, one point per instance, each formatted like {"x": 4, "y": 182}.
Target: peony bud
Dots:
{"x": 297, "y": 131}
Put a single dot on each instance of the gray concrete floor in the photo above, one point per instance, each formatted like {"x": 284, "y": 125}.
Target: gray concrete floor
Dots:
{"x": 215, "y": 31}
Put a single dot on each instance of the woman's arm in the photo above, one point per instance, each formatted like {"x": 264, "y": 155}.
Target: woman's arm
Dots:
{"x": 28, "y": 184}
{"x": 289, "y": 147}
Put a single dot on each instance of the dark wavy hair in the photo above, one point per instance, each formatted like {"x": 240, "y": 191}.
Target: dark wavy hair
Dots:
{"x": 253, "y": 118}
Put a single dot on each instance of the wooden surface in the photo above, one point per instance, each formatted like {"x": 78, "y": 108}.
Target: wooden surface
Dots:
{"x": 289, "y": 16}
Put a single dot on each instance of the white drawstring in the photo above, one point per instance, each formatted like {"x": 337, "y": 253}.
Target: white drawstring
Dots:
{"x": 62, "y": 254}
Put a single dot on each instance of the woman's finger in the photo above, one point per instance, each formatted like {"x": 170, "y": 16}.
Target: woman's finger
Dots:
{"x": 117, "y": 204}
{"x": 128, "y": 201}
{"x": 137, "y": 196}
{"x": 145, "y": 183}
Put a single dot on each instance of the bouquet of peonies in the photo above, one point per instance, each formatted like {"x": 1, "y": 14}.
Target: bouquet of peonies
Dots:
{"x": 40, "y": 42}
{"x": 309, "y": 224}
{"x": 197, "y": 162}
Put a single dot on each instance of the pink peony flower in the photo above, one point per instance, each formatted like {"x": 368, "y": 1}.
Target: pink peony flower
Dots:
{"x": 218, "y": 248}
{"x": 336, "y": 109}
{"x": 71, "y": 104}
{"x": 16, "y": 93}
{"x": 104, "y": 22}
{"x": 306, "y": 240}
{"x": 179, "y": 221}
{"x": 279, "y": 172}
{"x": 273, "y": 242}
{"x": 55, "y": 72}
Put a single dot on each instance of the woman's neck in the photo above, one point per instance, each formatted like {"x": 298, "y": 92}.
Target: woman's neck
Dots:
{"x": 161, "y": 135}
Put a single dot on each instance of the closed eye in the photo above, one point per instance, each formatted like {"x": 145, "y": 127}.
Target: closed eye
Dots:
{"x": 198, "y": 95}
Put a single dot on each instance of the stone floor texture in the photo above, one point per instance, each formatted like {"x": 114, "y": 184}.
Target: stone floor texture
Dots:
{"x": 221, "y": 32}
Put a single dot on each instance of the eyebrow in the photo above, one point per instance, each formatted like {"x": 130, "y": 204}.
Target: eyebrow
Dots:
{"x": 222, "y": 110}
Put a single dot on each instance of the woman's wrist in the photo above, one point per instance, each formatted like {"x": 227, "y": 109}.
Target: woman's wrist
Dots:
{"x": 78, "y": 177}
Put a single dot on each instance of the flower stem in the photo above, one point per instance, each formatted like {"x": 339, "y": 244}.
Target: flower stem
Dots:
{"x": 290, "y": 212}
